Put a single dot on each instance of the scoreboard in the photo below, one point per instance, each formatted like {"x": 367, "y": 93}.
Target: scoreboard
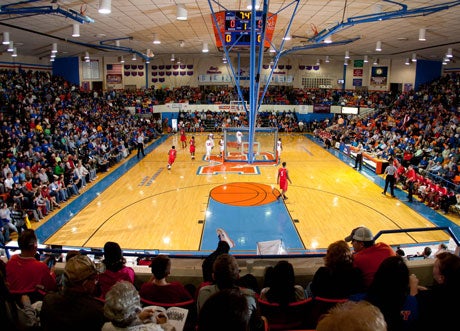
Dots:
{"x": 235, "y": 27}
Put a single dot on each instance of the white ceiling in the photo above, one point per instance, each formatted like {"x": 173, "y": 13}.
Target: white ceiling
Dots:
{"x": 134, "y": 22}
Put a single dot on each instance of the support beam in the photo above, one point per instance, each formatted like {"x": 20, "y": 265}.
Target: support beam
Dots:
{"x": 10, "y": 9}
{"x": 391, "y": 15}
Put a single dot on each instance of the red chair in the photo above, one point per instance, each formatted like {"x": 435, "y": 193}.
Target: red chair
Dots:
{"x": 282, "y": 319}
{"x": 183, "y": 304}
{"x": 318, "y": 307}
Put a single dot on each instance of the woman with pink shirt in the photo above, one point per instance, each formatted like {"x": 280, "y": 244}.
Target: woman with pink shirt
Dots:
{"x": 115, "y": 269}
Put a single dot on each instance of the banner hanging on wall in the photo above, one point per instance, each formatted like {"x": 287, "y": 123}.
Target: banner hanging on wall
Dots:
{"x": 379, "y": 76}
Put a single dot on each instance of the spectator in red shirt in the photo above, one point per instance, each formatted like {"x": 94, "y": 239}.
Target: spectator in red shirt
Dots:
{"x": 158, "y": 289}
{"x": 24, "y": 273}
{"x": 368, "y": 255}
{"x": 411, "y": 177}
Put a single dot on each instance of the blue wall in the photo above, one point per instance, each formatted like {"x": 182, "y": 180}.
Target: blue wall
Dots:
{"x": 427, "y": 71}
{"x": 67, "y": 67}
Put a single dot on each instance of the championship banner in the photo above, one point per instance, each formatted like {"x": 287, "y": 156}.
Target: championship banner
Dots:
{"x": 358, "y": 72}
{"x": 379, "y": 76}
{"x": 357, "y": 82}
{"x": 358, "y": 63}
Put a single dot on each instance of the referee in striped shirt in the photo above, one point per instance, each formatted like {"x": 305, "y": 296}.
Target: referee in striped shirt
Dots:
{"x": 390, "y": 172}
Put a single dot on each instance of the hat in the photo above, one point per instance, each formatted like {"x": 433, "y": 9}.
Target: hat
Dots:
{"x": 360, "y": 234}
{"x": 79, "y": 268}
{"x": 122, "y": 302}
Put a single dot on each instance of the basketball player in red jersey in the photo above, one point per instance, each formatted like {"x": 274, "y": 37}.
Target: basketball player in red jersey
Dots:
{"x": 183, "y": 138}
{"x": 282, "y": 180}
{"x": 172, "y": 156}
{"x": 192, "y": 147}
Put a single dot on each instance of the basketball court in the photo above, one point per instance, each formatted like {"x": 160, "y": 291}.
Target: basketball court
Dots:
{"x": 145, "y": 207}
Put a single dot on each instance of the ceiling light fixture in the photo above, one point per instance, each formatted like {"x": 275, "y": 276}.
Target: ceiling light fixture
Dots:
{"x": 327, "y": 60}
{"x": 328, "y": 40}
{"x": 134, "y": 58}
{"x": 15, "y": 52}
{"x": 422, "y": 34}
{"x": 105, "y": 7}
{"x": 287, "y": 36}
{"x": 181, "y": 12}
{"x": 54, "y": 48}
{"x": 317, "y": 62}
{"x": 205, "y": 48}
{"x": 6, "y": 38}
{"x": 10, "y": 46}
{"x": 86, "y": 56}
{"x": 76, "y": 30}
{"x": 156, "y": 41}
{"x": 378, "y": 46}
{"x": 449, "y": 53}
{"x": 53, "y": 54}
{"x": 345, "y": 63}
{"x": 347, "y": 54}
{"x": 249, "y": 6}
{"x": 414, "y": 57}
{"x": 122, "y": 59}
{"x": 172, "y": 58}
{"x": 407, "y": 62}
{"x": 376, "y": 62}
{"x": 366, "y": 59}
{"x": 272, "y": 49}
{"x": 117, "y": 43}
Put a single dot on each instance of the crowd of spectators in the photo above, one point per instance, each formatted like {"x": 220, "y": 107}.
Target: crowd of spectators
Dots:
{"x": 55, "y": 138}
{"x": 275, "y": 95}
{"x": 395, "y": 296}
{"x": 285, "y": 121}
{"x": 419, "y": 129}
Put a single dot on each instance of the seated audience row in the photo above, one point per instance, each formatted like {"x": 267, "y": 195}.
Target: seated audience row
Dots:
{"x": 79, "y": 302}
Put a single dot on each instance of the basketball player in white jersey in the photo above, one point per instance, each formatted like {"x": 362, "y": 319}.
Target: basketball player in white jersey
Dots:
{"x": 209, "y": 146}
{"x": 221, "y": 146}
{"x": 279, "y": 148}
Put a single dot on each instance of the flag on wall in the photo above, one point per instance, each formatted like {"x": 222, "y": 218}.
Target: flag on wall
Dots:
{"x": 114, "y": 73}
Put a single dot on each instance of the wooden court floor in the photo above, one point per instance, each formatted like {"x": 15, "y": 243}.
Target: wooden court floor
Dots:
{"x": 149, "y": 207}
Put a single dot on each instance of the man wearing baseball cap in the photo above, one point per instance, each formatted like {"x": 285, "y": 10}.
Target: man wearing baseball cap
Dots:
{"x": 368, "y": 255}
{"x": 76, "y": 308}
